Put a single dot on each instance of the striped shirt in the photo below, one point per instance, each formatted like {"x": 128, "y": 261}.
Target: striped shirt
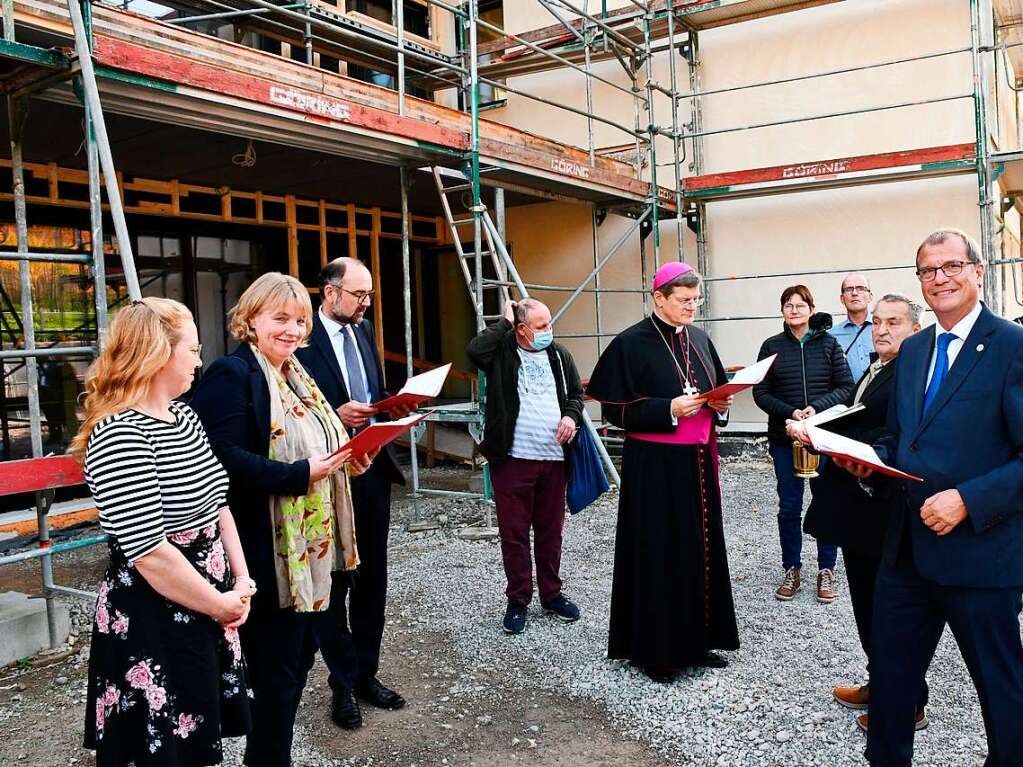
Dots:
{"x": 149, "y": 477}
{"x": 539, "y": 412}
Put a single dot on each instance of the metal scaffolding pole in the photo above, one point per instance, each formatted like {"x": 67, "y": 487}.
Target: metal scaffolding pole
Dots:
{"x": 985, "y": 204}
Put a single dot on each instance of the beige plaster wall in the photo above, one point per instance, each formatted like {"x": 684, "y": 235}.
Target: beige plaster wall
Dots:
{"x": 868, "y": 226}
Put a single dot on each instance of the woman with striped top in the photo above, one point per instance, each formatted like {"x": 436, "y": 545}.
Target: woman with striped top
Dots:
{"x": 166, "y": 677}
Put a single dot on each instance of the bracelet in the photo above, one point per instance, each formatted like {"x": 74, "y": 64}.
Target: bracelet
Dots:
{"x": 245, "y": 579}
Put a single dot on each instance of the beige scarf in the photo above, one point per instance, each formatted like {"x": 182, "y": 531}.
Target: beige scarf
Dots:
{"x": 314, "y": 534}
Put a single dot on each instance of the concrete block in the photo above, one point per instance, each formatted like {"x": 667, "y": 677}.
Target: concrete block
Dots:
{"x": 477, "y": 533}
{"x": 23, "y": 627}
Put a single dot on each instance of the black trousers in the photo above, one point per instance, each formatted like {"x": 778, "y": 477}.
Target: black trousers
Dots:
{"x": 279, "y": 647}
{"x": 350, "y": 642}
{"x": 910, "y": 614}
{"x": 861, "y": 573}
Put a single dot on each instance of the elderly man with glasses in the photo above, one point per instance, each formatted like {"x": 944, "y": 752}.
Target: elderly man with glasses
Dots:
{"x": 343, "y": 359}
{"x": 854, "y": 332}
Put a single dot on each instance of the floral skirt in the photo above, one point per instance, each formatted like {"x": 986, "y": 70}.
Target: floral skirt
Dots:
{"x": 165, "y": 682}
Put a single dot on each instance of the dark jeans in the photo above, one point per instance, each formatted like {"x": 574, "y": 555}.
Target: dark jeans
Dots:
{"x": 279, "y": 647}
{"x": 910, "y": 614}
{"x": 350, "y": 644}
{"x": 861, "y": 572}
{"x": 790, "y": 511}
{"x": 530, "y": 493}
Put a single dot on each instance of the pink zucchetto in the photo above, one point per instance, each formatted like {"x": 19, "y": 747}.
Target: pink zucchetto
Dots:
{"x": 670, "y": 271}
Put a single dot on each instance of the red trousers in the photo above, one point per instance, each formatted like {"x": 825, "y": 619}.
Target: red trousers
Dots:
{"x": 530, "y": 494}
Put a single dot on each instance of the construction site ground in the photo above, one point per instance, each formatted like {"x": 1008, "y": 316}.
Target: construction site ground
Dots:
{"x": 550, "y": 696}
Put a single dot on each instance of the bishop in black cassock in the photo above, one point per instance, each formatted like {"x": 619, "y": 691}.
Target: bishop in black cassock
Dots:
{"x": 671, "y": 597}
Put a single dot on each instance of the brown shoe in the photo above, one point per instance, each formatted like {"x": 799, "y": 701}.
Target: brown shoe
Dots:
{"x": 826, "y": 586}
{"x": 790, "y": 586}
{"x": 863, "y": 721}
{"x": 852, "y": 697}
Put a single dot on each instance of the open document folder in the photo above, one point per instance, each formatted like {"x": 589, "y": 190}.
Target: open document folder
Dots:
{"x": 838, "y": 446}
{"x": 380, "y": 434}
{"x": 743, "y": 379}
{"x": 832, "y": 414}
{"x": 417, "y": 390}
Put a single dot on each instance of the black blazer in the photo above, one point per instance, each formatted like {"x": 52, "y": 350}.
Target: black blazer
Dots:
{"x": 321, "y": 363}
{"x": 233, "y": 403}
{"x": 840, "y": 512}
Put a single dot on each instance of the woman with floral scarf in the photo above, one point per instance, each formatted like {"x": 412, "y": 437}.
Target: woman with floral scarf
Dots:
{"x": 283, "y": 448}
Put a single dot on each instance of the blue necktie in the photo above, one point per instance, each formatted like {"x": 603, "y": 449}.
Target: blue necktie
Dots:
{"x": 356, "y": 387}
{"x": 940, "y": 369}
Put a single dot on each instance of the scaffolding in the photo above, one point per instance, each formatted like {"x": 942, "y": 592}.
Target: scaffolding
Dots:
{"x": 169, "y": 70}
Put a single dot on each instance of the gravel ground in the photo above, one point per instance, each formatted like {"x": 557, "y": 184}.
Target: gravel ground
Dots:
{"x": 549, "y": 696}
{"x": 771, "y": 706}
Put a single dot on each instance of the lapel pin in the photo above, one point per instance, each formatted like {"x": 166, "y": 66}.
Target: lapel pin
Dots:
{"x": 980, "y": 347}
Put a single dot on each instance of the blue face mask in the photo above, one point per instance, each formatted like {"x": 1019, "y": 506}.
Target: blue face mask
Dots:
{"x": 542, "y": 339}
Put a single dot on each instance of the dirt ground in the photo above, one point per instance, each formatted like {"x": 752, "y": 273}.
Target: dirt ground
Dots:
{"x": 451, "y": 718}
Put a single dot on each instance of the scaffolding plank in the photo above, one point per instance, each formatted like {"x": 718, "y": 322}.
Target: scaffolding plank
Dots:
{"x": 847, "y": 171}
{"x": 508, "y": 57}
{"x": 34, "y": 474}
{"x": 1007, "y": 168}
{"x": 31, "y": 54}
{"x": 159, "y": 71}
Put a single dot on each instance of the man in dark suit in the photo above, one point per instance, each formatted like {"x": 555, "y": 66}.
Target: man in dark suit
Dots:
{"x": 954, "y": 556}
{"x": 342, "y": 359}
{"x": 842, "y": 512}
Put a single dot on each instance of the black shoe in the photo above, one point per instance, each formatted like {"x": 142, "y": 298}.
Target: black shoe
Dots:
{"x": 661, "y": 675}
{"x": 344, "y": 710}
{"x": 375, "y": 694}
{"x": 563, "y": 609}
{"x": 711, "y": 660}
{"x": 515, "y": 619}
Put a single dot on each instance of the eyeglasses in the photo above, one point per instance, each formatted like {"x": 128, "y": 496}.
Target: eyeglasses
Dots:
{"x": 949, "y": 269}
{"x": 361, "y": 296}
{"x": 851, "y": 289}
{"x": 690, "y": 303}
{"x": 795, "y": 307}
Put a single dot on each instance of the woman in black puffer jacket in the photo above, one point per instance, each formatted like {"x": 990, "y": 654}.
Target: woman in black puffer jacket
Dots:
{"x": 809, "y": 375}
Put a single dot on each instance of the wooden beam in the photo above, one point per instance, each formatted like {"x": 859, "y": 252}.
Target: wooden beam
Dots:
{"x": 378, "y": 304}
{"x": 323, "y": 234}
{"x": 831, "y": 168}
{"x": 34, "y": 474}
{"x": 353, "y": 240}
{"x": 289, "y": 211}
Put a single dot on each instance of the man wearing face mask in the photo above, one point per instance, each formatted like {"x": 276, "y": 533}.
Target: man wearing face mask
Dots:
{"x": 534, "y": 404}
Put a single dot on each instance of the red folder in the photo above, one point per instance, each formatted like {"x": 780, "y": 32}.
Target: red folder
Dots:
{"x": 379, "y": 434}
{"x": 847, "y": 449}
{"x": 417, "y": 390}
{"x": 878, "y": 468}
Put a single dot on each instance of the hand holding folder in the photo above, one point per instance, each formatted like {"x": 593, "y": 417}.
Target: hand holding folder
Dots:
{"x": 416, "y": 391}
{"x": 847, "y": 449}
{"x": 377, "y": 435}
{"x": 744, "y": 379}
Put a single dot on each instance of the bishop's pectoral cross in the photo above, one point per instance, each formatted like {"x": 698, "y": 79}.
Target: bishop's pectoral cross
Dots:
{"x": 690, "y": 390}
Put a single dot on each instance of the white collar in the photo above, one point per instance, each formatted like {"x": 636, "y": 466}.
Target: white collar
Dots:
{"x": 961, "y": 329}
{"x": 333, "y": 327}
{"x": 678, "y": 328}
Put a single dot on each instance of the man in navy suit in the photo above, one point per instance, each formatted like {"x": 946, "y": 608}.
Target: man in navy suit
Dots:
{"x": 954, "y": 555}
{"x": 343, "y": 360}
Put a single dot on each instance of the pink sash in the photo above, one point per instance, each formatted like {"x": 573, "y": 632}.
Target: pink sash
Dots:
{"x": 694, "y": 430}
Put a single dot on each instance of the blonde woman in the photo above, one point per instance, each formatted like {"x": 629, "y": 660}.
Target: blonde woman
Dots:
{"x": 281, "y": 444}
{"x": 166, "y": 678}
